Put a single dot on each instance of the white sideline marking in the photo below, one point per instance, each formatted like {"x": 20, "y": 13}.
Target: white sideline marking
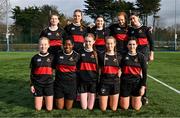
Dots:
{"x": 177, "y": 91}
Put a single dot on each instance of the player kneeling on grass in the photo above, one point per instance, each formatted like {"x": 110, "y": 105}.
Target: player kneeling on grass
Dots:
{"x": 133, "y": 78}
{"x": 41, "y": 76}
{"x": 109, "y": 85}
{"x": 88, "y": 73}
{"x": 65, "y": 77}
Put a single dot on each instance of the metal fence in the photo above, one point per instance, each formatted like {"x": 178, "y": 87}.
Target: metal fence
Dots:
{"x": 159, "y": 46}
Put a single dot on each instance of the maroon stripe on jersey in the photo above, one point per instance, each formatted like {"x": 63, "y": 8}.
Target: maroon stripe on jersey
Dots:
{"x": 43, "y": 70}
{"x": 88, "y": 66}
{"x": 142, "y": 41}
{"x": 110, "y": 70}
{"x": 132, "y": 70}
{"x": 99, "y": 41}
{"x": 78, "y": 38}
{"x": 66, "y": 68}
{"x": 121, "y": 37}
{"x": 55, "y": 42}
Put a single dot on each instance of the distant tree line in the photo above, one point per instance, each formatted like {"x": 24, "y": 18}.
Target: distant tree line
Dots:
{"x": 30, "y": 21}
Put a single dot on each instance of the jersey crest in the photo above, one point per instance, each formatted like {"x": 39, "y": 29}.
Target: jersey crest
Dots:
{"x": 71, "y": 59}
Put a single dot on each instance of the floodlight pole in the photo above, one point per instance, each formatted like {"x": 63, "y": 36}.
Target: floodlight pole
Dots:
{"x": 175, "y": 31}
{"x": 7, "y": 25}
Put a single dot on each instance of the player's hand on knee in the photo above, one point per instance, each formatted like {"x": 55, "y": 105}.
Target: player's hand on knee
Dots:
{"x": 142, "y": 90}
{"x": 32, "y": 89}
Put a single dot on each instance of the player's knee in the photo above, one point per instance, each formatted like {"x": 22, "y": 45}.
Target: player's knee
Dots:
{"x": 124, "y": 107}
{"x": 68, "y": 108}
{"x": 103, "y": 109}
{"x": 137, "y": 108}
{"x": 60, "y": 107}
{"x": 114, "y": 109}
{"x": 84, "y": 107}
{"x": 49, "y": 108}
{"x": 90, "y": 108}
{"x": 38, "y": 108}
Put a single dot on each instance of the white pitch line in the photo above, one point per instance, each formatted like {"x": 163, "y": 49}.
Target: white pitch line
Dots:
{"x": 177, "y": 91}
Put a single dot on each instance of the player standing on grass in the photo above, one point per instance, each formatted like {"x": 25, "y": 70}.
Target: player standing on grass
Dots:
{"x": 77, "y": 30}
{"x": 65, "y": 78}
{"x": 55, "y": 34}
{"x": 133, "y": 77}
{"x": 41, "y": 76}
{"x": 144, "y": 41}
{"x": 119, "y": 31}
{"x": 100, "y": 32}
{"x": 109, "y": 85}
{"x": 88, "y": 73}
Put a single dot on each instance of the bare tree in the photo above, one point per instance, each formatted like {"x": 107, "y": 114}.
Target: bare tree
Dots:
{"x": 2, "y": 8}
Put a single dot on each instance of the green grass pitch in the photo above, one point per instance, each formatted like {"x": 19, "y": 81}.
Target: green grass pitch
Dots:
{"x": 17, "y": 101}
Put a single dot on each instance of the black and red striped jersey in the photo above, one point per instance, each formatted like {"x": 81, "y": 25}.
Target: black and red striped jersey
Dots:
{"x": 110, "y": 65}
{"x": 76, "y": 32}
{"x": 99, "y": 35}
{"x": 55, "y": 37}
{"x": 134, "y": 66}
{"x": 88, "y": 68}
{"x": 66, "y": 65}
{"x": 41, "y": 69}
{"x": 120, "y": 34}
{"x": 144, "y": 37}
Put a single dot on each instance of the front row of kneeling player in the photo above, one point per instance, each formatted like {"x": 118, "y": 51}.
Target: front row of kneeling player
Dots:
{"x": 112, "y": 76}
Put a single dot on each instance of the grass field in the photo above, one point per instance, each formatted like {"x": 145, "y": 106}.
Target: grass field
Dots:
{"x": 16, "y": 100}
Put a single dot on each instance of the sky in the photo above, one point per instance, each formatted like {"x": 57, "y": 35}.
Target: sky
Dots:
{"x": 167, "y": 12}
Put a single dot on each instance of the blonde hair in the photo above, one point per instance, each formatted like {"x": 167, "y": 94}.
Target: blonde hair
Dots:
{"x": 44, "y": 38}
{"x": 110, "y": 37}
{"x": 90, "y": 35}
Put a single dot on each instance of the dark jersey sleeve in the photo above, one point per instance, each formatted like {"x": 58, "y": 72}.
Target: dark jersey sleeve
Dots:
{"x": 143, "y": 64}
{"x": 149, "y": 37}
{"x": 31, "y": 67}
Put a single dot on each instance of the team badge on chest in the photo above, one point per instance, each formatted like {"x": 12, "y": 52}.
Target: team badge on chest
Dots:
{"x": 57, "y": 34}
{"x": 115, "y": 60}
{"x": 136, "y": 60}
{"x": 92, "y": 56}
{"x": 140, "y": 31}
{"x": 48, "y": 60}
{"x": 71, "y": 59}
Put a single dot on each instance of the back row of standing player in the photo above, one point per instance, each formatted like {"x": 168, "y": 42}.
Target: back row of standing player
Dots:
{"x": 120, "y": 31}
{"x": 76, "y": 31}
